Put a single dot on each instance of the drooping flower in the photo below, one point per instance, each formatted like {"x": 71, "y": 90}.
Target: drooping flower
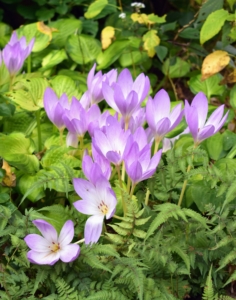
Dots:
{"x": 77, "y": 120}
{"x": 15, "y": 53}
{"x": 49, "y": 248}
{"x": 125, "y": 96}
{"x": 55, "y": 108}
{"x": 94, "y": 93}
{"x": 196, "y": 115}
{"x": 159, "y": 117}
{"x": 98, "y": 201}
{"x": 112, "y": 143}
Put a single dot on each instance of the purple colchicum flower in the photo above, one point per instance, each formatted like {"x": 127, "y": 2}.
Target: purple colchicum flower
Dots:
{"x": 113, "y": 143}
{"x": 98, "y": 201}
{"x": 138, "y": 164}
{"x": 93, "y": 170}
{"x": 49, "y": 248}
{"x": 15, "y": 53}
{"x": 125, "y": 96}
{"x": 159, "y": 117}
{"x": 168, "y": 143}
{"x": 77, "y": 120}
{"x": 94, "y": 93}
{"x": 196, "y": 115}
{"x": 55, "y": 108}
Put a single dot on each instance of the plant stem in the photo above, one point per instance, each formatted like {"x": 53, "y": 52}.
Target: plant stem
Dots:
{"x": 132, "y": 191}
{"x": 157, "y": 142}
{"x": 37, "y": 114}
{"x": 173, "y": 87}
{"x": 147, "y": 197}
{"x": 128, "y": 184}
{"x": 117, "y": 217}
{"x": 80, "y": 241}
{"x": 121, "y": 189}
{"x": 61, "y": 136}
{"x": 29, "y": 64}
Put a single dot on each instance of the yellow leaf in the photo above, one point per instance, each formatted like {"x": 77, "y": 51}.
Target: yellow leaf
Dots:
{"x": 141, "y": 18}
{"x": 107, "y": 36}
{"x": 10, "y": 178}
{"x": 151, "y": 40}
{"x": 45, "y": 29}
{"x": 214, "y": 63}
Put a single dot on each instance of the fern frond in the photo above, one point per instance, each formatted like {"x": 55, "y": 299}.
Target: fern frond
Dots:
{"x": 65, "y": 291}
{"x": 208, "y": 293}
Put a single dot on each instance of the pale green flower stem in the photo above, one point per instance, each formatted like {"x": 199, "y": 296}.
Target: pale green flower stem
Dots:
{"x": 80, "y": 241}
{"x": 37, "y": 115}
{"x": 121, "y": 189}
{"x": 185, "y": 181}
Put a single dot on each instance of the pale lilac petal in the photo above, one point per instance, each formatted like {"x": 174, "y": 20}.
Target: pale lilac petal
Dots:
{"x": 84, "y": 188}
{"x": 192, "y": 121}
{"x": 114, "y": 157}
{"x": 205, "y": 133}
{"x": 135, "y": 172}
{"x": 69, "y": 253}
{"x": 66, "y": 234}
{"x": 43, "y": 258}
{"x": 88, "y": 207}
{"x": 37, "y": 243}
{"x": 141, "y": 86}
{"x": 93, "y": 229}
{"x": 108, "y": 94}
{"x": 125, "y": 80}
{"x": 201, "y": 104}
{"x": 101, "y": 142}
{"x": 215, "y": 117}
{"x": 47, "y": 230}
{"x": 161, "y": 105}
{"x": 162, "y": 127}
{"x": 72, "y": 140}
{"x": 91, "y": 76}
{"x": 218, "y": 127}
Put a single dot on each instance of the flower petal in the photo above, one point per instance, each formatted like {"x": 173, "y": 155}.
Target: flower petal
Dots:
{"x": 47, "y": 230}
{"x": 201, "y": 104}
{"x": 93, "y": 229}
{"x": 69, "y": 253}
{"x": 88, "y": 207}
{"x": 43, "y": 258}
{"x": 66, "y": 234}
{"x": 37, "y": 243}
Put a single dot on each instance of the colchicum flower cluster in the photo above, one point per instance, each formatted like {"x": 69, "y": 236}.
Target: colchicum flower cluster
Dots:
{"x": 118, "y": 141}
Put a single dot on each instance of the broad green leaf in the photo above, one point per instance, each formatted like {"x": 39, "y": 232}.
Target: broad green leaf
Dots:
{"x": 132, "y": 57}
{"x": 65, "y": 28}
{"x": 4, "y": 77}
{"x": 155, "y": 19}
{"x": 213, "y": 25}
{"x": 161, "y": 52}
{"x": 80, "y": 79}
{"x": 83, "y": 48}
{"x": 208, "y": 7}
{"x": 95, "y": 8}
{"x": 231, "y": 3}
{"x": 64, "y": 84}
{"x": 111, "y": 54}
{"x": 7, "y": 109}
{"x": 229, "y": 139}
{"x": 45, "y": 14}
{"x": 30, "y": 94}
{"x": 17, "y": 150}
{"x": 26, "y": 182}
{"x": 190, "y": 33}
{"x": 214, "y": 146}
{"x": 53, "y": 58}
{"x": 179, "y": 69}
{"x": 31, "y": 31}
{"x": 201, "y": 194}
{"x": 209, "y": 87}
{"x": 57, "y": 154}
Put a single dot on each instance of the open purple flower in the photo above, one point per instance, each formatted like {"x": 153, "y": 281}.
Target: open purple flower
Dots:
{"x": 15, "y": 53}
{"x": 98, "y": 201}
{"x": 55, "y": 108}
{"x": 126, "y": 95}
{"x": 159, "y": 117}
{"x": 196, "y": 115}
{"x": 49, "y": 248}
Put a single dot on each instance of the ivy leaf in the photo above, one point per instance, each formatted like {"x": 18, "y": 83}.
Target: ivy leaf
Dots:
{"x": 151, "y": 40}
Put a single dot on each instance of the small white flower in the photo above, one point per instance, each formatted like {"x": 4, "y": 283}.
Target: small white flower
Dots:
{"x": 138, "y": 5}
{"x": 122, "y": 15}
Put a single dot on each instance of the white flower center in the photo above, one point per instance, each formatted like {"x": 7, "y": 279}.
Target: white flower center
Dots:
{"x": 103, "y": 208}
